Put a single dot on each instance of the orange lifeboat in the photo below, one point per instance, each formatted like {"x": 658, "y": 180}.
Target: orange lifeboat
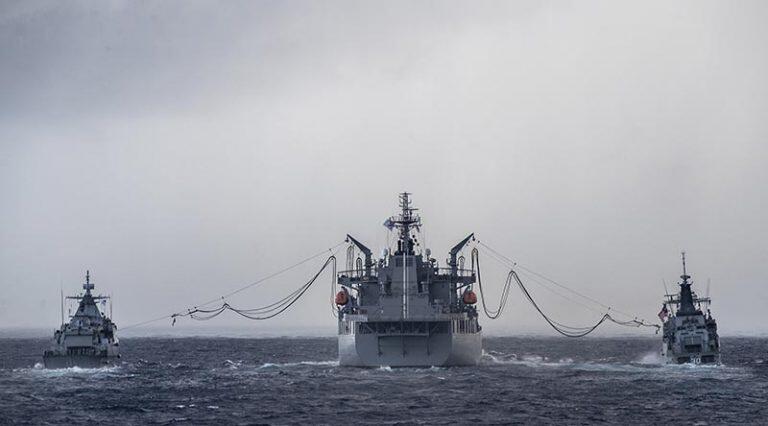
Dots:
{"x": 469, "y": 298}
{"x": 342, "y": 298}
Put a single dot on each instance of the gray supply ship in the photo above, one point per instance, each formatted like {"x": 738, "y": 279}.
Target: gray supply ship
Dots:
{"x": 404, "y": 310}
{"x": 690, "y": 335}
{"x": 88, "y": 340}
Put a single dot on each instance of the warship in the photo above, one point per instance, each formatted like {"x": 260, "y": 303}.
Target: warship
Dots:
{"x": 403, "y": 309}
{"x": 89, "y": 339}
{"x": 690, "y": 335}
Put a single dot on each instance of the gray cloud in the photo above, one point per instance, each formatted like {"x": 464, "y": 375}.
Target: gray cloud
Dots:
{"x": 181, "y": 150}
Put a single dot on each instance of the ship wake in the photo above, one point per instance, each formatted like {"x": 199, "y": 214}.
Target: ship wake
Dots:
{"x": 647, "y": 363}
{"x": 38, "y": 370}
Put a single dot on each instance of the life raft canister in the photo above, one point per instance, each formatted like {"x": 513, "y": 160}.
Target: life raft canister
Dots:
{"x": 342, "y": 298}
{"x": 469, "y": 298}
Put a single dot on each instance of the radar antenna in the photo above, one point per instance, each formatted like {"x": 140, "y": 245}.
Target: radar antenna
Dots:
{"x": 686, "y": 306}
{"x": 88, "y": 286}
{"x": 404, "y": 222}
{"x": 685, "y": 275}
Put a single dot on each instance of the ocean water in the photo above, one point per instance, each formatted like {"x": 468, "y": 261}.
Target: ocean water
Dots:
{"x": 297, "y": 380}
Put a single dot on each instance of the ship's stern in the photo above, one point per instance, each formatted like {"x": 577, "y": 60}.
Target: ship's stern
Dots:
{"x": 404, "y": 348}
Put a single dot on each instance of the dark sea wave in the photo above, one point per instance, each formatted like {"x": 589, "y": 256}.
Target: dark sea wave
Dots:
{"x": 290, "y": 381}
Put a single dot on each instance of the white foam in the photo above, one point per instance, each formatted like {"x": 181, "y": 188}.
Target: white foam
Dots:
{"x": 333, "y": 363}
{"x": 529, "y": 360}
{"x": 40, "y": 371}
{"x": 234, "y": 365}
{"x": 651, "y": 358}
{"x": 538, "y": 361}
{"x": 296, "y": 364}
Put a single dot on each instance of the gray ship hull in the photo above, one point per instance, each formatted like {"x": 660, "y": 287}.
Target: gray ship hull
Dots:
{"x": 701, "y": 358}
{"x": 691, "y": 339}
{"x": 679, "y": 355}
{"x": 81, "y": 361}
{"x": 690, "y": 334}
{"x": 403, "y": 310}
{"x": 439, "y": 350}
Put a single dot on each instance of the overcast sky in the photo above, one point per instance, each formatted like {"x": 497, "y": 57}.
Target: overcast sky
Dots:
{"x": 180, "y": 150}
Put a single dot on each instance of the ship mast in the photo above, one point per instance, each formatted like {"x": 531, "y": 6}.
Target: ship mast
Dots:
{"x": 61, "y": 300}
{"x": 404, "y": 222}
{"x": 88, "y": 286}
{"x": 686, "y": 296}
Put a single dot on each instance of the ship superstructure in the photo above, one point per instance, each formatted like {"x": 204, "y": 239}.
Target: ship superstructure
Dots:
{"x": 690, "y": 334}
{"x": 404, "y": 309}
{"x": 89, "y": 339}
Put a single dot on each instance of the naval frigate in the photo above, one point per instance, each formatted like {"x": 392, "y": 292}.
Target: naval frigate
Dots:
{"x": 403, "y": 309}
{"x": 89, "y": 339}
{"x": 690, "y": 335}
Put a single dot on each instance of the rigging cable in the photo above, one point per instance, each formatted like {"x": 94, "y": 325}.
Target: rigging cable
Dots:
{"x": 563, "y": 329}
{"x": 333, "y": 297}
{"x": 350, "y": 257}
{"x": 512, "y": 263}
{"x": 547, "y": 287}
{"x": 265, "y": 312}
{"x": 491, "y": 313}
{"x": 257, "y": 282}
